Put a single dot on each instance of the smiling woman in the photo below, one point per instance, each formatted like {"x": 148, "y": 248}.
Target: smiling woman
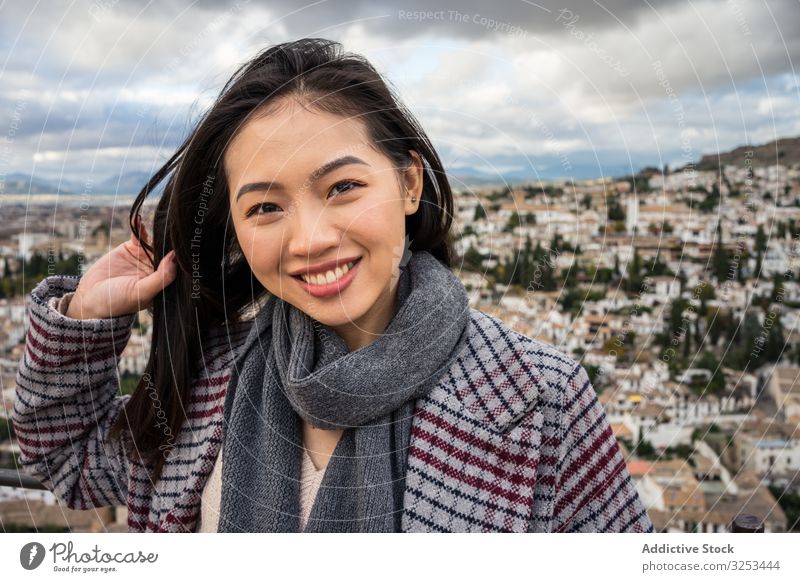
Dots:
{"x": 315, "y": 364}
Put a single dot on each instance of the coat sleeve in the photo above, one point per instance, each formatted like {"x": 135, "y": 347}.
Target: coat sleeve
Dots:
{"x": 594, "y": 490}
{"x": 66, "y": 400}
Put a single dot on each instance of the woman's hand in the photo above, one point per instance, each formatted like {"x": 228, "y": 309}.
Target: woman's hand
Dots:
{"x": 122, "y": 282}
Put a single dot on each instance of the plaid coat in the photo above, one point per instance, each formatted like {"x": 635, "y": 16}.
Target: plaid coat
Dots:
{"x": 512, "y": 438}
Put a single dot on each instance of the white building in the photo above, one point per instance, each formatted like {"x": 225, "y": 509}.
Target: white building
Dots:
{"x": 771, "y": 456}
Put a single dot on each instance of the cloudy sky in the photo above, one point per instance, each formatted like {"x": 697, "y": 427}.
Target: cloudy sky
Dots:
{"x": 514, "y": 88}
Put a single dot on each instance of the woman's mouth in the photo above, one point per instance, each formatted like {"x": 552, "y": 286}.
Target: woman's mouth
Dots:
{"x": 330, "y": 283}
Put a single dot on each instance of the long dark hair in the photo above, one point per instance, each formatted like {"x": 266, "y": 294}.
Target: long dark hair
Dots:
{"x": 320, "y": 74}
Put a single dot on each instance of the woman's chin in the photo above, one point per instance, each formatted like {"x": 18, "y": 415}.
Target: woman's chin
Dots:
{"x": 332, "y": 314}
{"x": 334, "y": 320}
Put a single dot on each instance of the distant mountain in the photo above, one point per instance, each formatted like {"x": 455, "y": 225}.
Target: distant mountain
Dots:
{"x": 125, "y": 184}
{"x": 17, "y": 183}
{"x": 784, "y": 151}
{"x": 547, "y": 169}
{"x": 459, "y": 181}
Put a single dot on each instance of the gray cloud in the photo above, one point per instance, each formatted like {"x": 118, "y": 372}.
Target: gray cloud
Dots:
{"x": 108, "y": 75}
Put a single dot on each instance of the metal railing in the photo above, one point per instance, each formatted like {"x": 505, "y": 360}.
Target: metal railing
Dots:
{"x": 12, "y": 478}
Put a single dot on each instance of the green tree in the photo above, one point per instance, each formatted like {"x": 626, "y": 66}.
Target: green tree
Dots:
{"x": 711, "y": 200}
{"x": 473, "y": 260}
{"x": 761, "y": 240}
{"x": 708, "y": 361}
{"x": 775, "y": 340}
{"x": 790, "y": 504}
{"x": 720, "y": 260}
{"x": 644, "y": 448}
{"x": 615, "y": 211}
{"x": 513, "y": 222}
{"x": 634, "y": 281}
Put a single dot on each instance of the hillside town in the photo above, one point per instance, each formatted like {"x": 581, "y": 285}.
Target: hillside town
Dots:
{"x": 677, "y": 289}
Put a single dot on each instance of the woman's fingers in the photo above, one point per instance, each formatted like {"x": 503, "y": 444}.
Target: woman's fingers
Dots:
{"x": 149, "y": 286}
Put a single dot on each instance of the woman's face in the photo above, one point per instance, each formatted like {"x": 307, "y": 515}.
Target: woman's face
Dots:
{"x": 307, "y": 189}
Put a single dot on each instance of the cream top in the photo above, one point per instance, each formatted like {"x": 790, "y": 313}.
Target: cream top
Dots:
{"x": 310, "y": 479}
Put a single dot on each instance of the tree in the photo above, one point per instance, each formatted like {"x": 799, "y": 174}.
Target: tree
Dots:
{"x": 720, "y": 261}
{"x": 777, "y": 287}
{"x": 615, "y": 211}
{"x": 711, "y": 200}
{"x": 708, "y": 361}
{"x": 634, "y": 282}
{"x": 761, "y": 240}
{"x": 746, "y": 352}
{"x": 714, "y": 322}
{"x": 676, "y": 308}
{"x": 643, "y": 448}
{"x": 659, "y": 268}
{"x": 775, "y": 342}
{"x": 513, "y": 222}
{"x": 539, "y": 267}
{"x": 473, "y": 260}
{"x": 790, "y": 504}
{"x": 682, "y": 279}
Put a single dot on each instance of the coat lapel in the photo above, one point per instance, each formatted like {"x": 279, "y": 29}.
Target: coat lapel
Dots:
{"x": 476, "y": 439}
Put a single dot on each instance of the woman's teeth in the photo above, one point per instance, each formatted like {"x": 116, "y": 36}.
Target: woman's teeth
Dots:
{"x": 329, "y": 277}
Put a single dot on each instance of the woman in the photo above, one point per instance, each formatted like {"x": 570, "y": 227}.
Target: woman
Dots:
{"x": 364, "y": 395}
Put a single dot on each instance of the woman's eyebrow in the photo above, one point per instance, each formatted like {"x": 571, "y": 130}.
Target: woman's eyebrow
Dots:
{"x": 316, "y": 175}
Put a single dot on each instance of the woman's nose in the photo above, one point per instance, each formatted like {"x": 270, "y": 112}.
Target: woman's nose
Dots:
{"x": 312, "y": 231}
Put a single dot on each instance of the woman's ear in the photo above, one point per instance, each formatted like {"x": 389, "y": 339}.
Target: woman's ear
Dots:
{"x": 412, "y": 181}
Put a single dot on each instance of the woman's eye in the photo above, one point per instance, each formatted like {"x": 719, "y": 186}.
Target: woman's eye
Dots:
{"x": 345, "y": 183}
{"x": 339, "y": 188}
{"x": 255, "y": 209}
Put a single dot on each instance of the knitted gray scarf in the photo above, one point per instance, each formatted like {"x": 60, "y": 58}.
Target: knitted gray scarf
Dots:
{"x": 292, "y": 368}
